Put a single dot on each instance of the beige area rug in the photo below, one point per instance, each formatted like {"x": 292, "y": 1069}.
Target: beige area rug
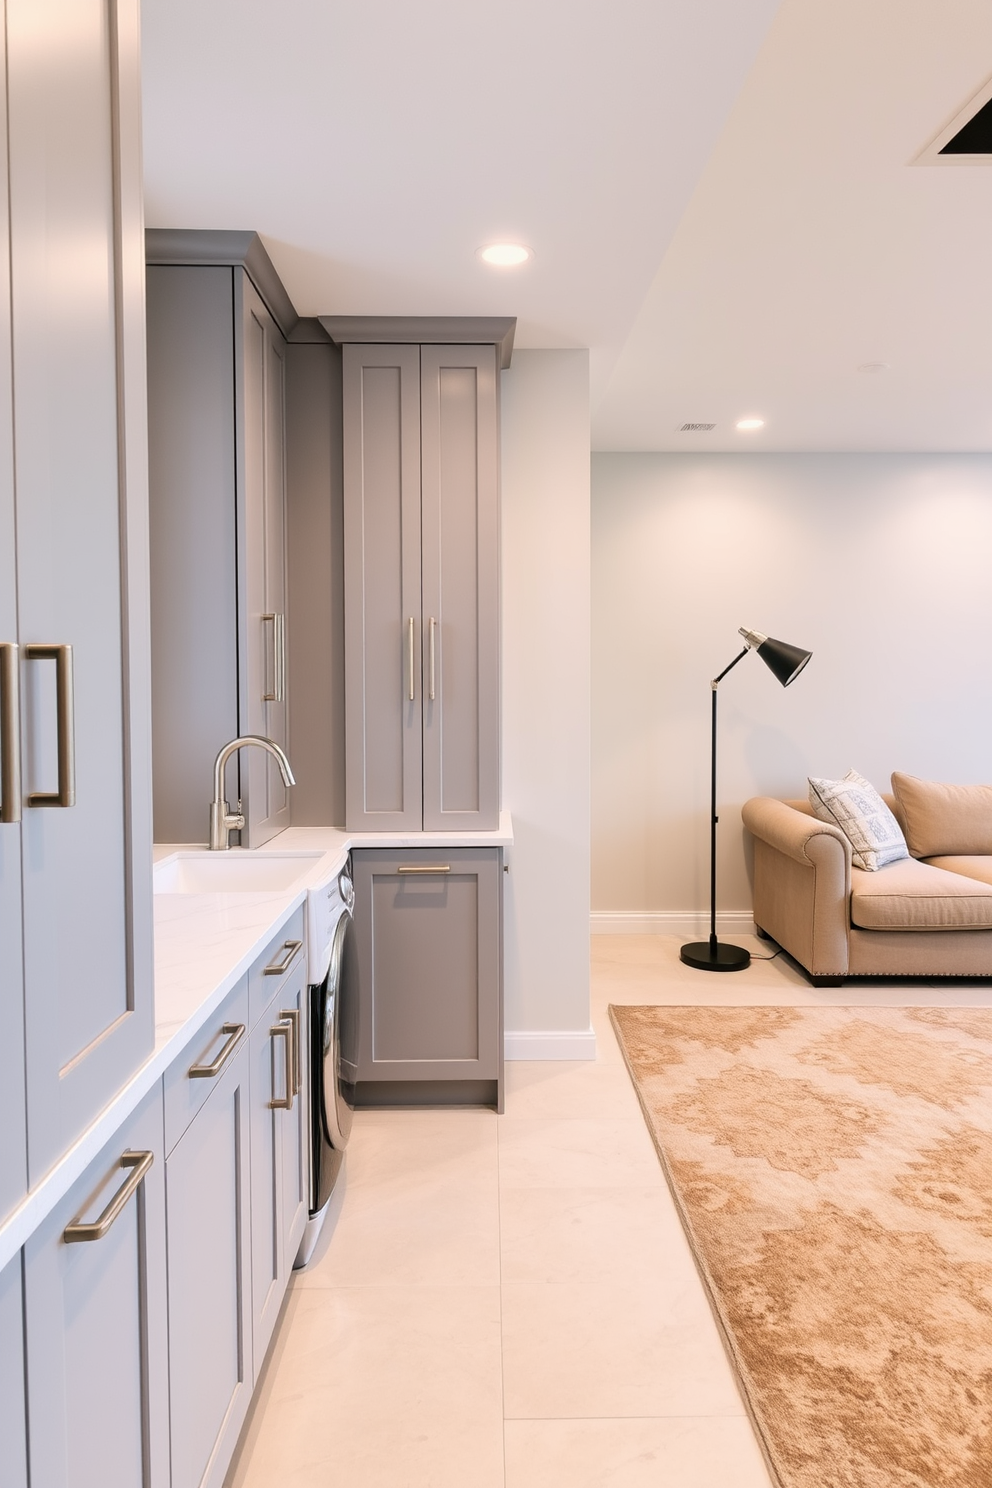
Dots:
{"x": 833, "y": 1169}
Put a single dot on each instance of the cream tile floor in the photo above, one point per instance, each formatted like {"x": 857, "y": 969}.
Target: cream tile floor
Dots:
{"x": 509, "y": 1302}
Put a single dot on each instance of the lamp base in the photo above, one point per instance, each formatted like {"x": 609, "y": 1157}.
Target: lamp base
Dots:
{"x": 713, "y": 955}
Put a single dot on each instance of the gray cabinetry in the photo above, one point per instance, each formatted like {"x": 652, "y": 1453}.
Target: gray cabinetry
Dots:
{"x": 75, "y": 871}
{"x": 421, "y": 543}
{"x": 97, "y": 1387}
{"x": 13, "y": 1395}
{"x": 209, "y": 1256}
{"x": 216, "y": 371}
{"x": 429, "y": 937}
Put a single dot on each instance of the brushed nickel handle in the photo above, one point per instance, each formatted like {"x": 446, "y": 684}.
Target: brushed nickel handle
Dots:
{"x": 289, "y": 948}
{"x": 433, "y": 868}
{"x": 293, "y": 1014}
{"x": 432, "y": 628}
{"x": 235, "y": 1032}
{"x": 410, "y": 657}
{"x": 284, "y": 1031}
{"x": 10, "y": 731}
{"x": 66, "y": 793}
{"x": 80, "y": 1230}
{"x": 278, "y": 693}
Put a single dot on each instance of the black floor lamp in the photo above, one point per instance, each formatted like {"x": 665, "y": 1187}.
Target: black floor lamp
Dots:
{"x": 786, "y": 662}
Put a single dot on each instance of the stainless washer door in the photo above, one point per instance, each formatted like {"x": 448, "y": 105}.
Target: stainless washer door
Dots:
{"x": 339, "y": 1042}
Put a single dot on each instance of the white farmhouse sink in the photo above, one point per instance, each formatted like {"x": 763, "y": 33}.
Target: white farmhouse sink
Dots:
{"x": 232, "y": 872}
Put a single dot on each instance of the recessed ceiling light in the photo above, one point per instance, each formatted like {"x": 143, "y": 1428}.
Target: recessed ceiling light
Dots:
{"x": 873, "y": 367}
{"x": 746, "y": 425}
{"x": 505, "y": 255}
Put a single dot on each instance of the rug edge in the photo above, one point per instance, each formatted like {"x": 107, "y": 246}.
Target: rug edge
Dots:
{"x": 709, "y": 1286}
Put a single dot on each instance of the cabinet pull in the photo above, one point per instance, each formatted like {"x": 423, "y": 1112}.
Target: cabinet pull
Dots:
{"x": 289, "y": 949}
{"x": 66, "y": 793}
{"x": 278, "y": 693}
{"x": 293, "y": 1015}
{"x": 410, "y": 658}
{"x": 284, "y": 1031}
{"x": 432, "y": 627}
{"x": 79, "y": 1230}
{"x": 235, "y": 1032}
{"x": 10, "y": 735}
{"x": 431, "y": 868}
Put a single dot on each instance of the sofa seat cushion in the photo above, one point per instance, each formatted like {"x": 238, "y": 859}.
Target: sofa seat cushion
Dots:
{"x": 979, "y": 868}
{"x": 910, "y": 895}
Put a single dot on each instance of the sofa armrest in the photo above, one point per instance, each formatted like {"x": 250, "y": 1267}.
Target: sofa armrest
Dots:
{"x": 802, "y": 884}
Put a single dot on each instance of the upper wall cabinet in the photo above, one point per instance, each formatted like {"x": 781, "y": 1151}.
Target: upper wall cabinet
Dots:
{"x": 76, "y": 997}
{"x": 421, "y": 545}
{"x": 217, "y": 315}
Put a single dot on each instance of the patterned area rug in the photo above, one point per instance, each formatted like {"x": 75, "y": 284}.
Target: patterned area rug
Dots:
{"x": 833, "y": 1169}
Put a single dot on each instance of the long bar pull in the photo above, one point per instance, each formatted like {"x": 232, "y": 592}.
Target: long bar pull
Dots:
{"x": 80, "y": 1230}
{"x": 432, "y": 868}
{"x": 278, "y": 693}
{"x": 10, "y": 731}
{"x": 66, "y": 793}
{"x": 285, "y": 1102}
{"x": 235, "y": 1032}
{"x": 289, "y": 949}
{"x": 293, "y": 1016}
{"x": 433, "y": 628}
{"x": 410, "y": 644}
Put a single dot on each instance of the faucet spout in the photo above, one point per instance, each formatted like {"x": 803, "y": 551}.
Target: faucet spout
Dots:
{"x": 222, "y": 820}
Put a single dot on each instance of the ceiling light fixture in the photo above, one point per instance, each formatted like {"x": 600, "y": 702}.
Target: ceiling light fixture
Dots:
{"x": 505, "y": 255}
{"x": 747, "y": 425}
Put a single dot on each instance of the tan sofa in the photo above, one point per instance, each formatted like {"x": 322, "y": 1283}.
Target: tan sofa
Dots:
{"x": 927, "y": 917}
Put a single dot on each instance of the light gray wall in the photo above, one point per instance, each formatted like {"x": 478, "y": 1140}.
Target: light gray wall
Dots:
{"x": 545, "y": 556}
{"x": 879, "y": 564}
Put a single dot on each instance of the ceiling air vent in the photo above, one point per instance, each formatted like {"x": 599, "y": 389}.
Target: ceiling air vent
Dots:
{"x": 696, "y": 428}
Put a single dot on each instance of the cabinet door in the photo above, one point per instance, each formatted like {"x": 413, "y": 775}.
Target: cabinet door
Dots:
{"x": 428, "y": 926}
{"x": 263, "y": 443}
{"x": 278, "y": 1191}
{"x": 460, "y": 522}
{"x": 209, "y": 1251}
{"x": 96, "y": 1324}
{"x": 77, "y": 273}
{"x": 13, "y": 1420}
{"x": 13, "y": 1147}
{"x": 383, "y": 629}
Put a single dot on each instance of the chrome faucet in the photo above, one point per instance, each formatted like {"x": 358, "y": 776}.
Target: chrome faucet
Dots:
{"x": 222, "y": 820}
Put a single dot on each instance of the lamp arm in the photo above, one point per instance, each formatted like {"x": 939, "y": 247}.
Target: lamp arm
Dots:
{"x": 739, "y": 657}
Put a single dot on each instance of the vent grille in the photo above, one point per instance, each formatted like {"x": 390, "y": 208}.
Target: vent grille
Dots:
{"x": 696, "y": 428}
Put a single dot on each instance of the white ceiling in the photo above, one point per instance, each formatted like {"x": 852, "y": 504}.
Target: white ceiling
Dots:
{"x": 719, "y": 193}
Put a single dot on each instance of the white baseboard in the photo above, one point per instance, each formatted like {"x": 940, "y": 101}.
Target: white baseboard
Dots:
{"x": 669, "y": 922}
{"x": 552, "y": 1043}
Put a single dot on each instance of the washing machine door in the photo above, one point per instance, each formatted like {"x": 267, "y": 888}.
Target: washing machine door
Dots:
{"x": 339, "y": 1041}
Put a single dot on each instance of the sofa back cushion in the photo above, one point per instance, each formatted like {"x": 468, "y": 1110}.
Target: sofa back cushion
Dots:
{"x": 944, "y": 820}
{"x": 854, "y": 805}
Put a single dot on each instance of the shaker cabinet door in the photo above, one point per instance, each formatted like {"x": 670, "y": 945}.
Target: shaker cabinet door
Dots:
{"x": 460, "y": 525}
{"x": 384, "y": 683}
{"x": 209, "y": 1248}
{"x": 97, "y": 1347}
{"x": 80, "y": 471}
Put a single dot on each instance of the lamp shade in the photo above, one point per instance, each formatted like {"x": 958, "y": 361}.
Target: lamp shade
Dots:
{"x": 784, "y": 660}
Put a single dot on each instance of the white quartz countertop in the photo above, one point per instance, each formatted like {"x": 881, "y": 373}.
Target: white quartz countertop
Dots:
{"x": 204, "y": 943}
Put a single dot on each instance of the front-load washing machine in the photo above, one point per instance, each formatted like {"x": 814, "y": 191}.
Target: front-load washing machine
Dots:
{"x": 333, "y": 1041}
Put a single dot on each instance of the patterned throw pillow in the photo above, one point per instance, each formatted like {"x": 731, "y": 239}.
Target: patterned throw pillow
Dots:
{"x": 854, "y": 805}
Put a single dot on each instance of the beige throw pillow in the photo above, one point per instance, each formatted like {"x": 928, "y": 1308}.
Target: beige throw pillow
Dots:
{"x": 854, "y": 805}
{"x": 942, "y": 820}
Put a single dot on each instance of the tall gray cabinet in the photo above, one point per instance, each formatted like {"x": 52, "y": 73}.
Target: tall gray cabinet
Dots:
{"x": 421, "y": 551}
{"x": 76, "y": 1003}
{"x": 217, "y": 321}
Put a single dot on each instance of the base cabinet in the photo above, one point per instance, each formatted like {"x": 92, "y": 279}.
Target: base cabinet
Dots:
{"x": 430, "y": 968}
{"x": 95, "y": 1311}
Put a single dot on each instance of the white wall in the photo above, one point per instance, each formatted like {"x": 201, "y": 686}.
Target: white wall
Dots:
{"x": 545, "y": 493}
{"x": 878, "y": 564}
